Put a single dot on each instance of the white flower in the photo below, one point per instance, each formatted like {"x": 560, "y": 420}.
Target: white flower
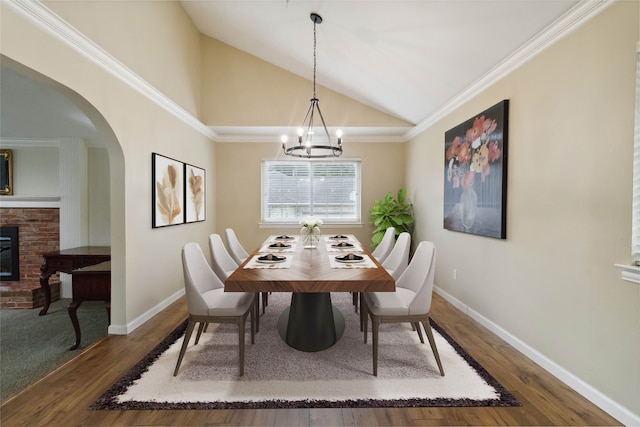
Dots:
{"x": 310, "y": 222}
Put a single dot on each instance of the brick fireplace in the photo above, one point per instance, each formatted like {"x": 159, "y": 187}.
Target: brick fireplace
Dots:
{"x": 38, "y": 231}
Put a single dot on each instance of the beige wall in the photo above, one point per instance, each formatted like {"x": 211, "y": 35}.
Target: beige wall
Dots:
{"x": 146, "y": 262}
{"x": 241, "y": 90}
{"x": 155, "y": 39}
{"x": 34, "y": 174}
{"x": 238, "y": 189}
{"x": 552, "y": 283}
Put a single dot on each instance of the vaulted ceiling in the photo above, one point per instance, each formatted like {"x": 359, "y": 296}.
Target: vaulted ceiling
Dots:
{"x": 406, "y": 58}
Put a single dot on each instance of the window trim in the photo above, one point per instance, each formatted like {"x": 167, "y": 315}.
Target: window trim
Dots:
{"x": 631, "y": 272}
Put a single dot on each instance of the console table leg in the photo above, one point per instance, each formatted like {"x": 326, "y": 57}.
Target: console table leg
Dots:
{"x": 44, "y": 284}
{"x": 73, "y": 307}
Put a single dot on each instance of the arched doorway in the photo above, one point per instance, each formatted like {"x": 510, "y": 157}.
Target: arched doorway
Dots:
{"x": 35, "y": 107}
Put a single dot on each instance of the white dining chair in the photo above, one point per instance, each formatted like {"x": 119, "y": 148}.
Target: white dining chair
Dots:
{"x": 411, "y": 302}
{"x": 208, "y": 303}
{"x": 223, "y": 263}
{"x": 380, "y": 253}
{"x": 398, "y": 259}
{"x": 386, "y": 244}
{"x": 237, "y": 252}
{"x": 239, "y": 255}
{"x": 395, "y": 263}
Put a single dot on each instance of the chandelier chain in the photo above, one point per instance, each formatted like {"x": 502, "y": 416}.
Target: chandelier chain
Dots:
{"x": 314, "y": 59}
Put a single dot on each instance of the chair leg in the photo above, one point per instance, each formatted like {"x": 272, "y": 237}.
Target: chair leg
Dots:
{"x": 201, "y": 328}
{"x": 241, "y": 322}
{"x": 253, "y": 323}
{"x": 375, "y": 323}
{"x": 185, "y": 342}
{"x": 364, "y": 313}
{"x": 416, "y": 327}
{"x": 355, "y": 299}
{"x": 256, "y": 306}
{"x": 265, "y": 301}
{"x": 432, "y": 342}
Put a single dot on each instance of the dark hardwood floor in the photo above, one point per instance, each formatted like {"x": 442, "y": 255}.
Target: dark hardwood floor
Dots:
{"x": 64, "y": 396}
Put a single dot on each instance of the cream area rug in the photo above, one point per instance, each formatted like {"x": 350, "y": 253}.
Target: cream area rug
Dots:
{"x": 278, "y": 376}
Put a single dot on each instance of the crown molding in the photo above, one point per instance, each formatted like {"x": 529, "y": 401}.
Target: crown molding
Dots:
{"x": 48, "y": 21}
{"x": 564, "y": 25}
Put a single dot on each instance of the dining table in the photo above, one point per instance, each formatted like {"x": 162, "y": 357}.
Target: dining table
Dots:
{"x": 284, "y": 263}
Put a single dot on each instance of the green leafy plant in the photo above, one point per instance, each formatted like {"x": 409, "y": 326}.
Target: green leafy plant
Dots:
{"x": 391, "y": 212}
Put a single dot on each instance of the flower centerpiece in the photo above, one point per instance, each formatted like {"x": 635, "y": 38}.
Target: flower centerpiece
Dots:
{"x": 310, "y": 231}
{"x": 471, "y": 155}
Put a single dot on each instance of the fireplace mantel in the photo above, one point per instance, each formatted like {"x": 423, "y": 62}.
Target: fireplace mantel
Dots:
{"x": 29, "y": 202}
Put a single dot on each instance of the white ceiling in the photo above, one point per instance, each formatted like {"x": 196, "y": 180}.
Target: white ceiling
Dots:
{"x": 405, "y": 58}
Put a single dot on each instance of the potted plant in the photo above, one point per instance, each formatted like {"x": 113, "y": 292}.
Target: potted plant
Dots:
{"x": 391, "y": 212}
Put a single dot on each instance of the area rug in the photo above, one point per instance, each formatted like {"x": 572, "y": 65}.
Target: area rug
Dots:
{"x": 278, "y": 376}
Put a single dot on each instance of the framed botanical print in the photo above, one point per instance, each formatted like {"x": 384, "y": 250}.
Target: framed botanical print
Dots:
{"x": 194, "y": 193}
{"x": 168, "y": 191}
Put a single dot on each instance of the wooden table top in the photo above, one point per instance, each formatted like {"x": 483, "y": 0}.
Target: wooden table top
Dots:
{"x": 80, "y": 251}
{"x": 310, "y": 271}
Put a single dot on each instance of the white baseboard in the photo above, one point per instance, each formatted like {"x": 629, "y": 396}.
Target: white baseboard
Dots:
{"x": 133, "y": 325}
{"x": 619, "y": 412}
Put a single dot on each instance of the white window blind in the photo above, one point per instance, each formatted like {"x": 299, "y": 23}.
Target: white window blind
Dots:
{"x": 635, "y": 236}
{"x": 293, "y": 189}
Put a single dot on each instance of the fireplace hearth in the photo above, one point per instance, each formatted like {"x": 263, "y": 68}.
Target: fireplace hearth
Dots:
{"x": 39, "y": 232}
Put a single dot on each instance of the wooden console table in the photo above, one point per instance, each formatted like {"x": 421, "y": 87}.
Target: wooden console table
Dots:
{"x": 91, "y": 283}
{"x": 67, "y": 260}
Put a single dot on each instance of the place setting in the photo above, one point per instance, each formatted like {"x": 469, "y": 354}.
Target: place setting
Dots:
{"x": 351, "y": 260}
{"x": 342, "y": 246}
{"x": 270, "y": 260}
{"x": 279, "y": 246}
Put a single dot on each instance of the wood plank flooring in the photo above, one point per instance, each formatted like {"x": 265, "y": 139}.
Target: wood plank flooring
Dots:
{"x": 63, "y": 397}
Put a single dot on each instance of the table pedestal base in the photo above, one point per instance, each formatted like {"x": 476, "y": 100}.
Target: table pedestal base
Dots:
{"x": 311, "y": 323}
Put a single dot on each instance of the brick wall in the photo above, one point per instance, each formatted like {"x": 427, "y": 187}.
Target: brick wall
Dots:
{"x": 38, "y": 232}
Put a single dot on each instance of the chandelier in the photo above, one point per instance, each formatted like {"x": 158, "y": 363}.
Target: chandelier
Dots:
{"x": 305, "y": 146}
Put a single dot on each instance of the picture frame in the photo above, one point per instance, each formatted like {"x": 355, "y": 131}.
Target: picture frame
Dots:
{"x": 168, "y": 191}
{"x": 194, "y": 193}
{"x": 475, "y": 173}
{"x": 6, "y": 172}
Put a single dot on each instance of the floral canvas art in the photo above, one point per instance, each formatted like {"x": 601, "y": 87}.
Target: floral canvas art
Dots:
{"x": 194, "y": 194}
{"x": 168, "y": 190}
{"x": 475, "y": 168}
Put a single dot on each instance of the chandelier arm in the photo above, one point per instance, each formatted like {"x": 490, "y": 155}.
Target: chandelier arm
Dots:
{"x": 326, "y": 131}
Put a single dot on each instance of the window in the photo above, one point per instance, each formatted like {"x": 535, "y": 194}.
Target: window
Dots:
{"x": 329, "y": 190}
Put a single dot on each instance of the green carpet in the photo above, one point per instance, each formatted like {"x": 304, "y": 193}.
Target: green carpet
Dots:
{"x": 32, "y": 346}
